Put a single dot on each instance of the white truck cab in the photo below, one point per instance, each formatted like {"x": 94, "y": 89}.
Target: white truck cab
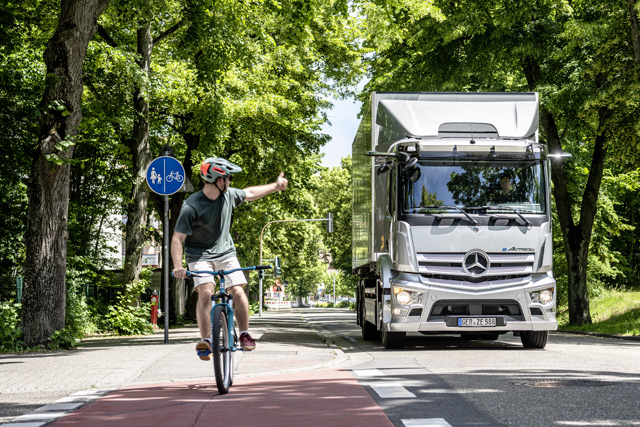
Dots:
{"x": 452, "y": 218}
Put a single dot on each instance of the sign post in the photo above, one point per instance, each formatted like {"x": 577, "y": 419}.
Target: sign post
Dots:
{"x": 165, "y": 176}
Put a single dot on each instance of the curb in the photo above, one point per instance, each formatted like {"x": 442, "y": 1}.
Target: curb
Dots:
{"x": 341, "y": 344}
{"x": 600, "y": 335}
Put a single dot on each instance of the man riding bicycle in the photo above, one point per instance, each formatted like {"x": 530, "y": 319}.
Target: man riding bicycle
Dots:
{"x": 203, "y": 226}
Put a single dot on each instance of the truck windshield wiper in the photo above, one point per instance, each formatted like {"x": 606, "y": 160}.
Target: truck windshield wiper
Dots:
{"x": 509, "y": 208}
{"x": 456, "y": 208}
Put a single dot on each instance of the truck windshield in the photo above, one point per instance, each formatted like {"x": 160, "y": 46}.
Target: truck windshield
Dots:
{"x": 518, "y": 186}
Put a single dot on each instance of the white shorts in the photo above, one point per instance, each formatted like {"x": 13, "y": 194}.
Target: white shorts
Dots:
{"x": 234, "y": 279}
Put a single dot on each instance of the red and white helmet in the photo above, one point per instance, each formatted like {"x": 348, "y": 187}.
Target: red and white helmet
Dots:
{"x": 213, "y": 168}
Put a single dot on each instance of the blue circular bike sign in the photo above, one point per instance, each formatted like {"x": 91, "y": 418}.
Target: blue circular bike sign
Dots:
{"x": 165, "y": 175}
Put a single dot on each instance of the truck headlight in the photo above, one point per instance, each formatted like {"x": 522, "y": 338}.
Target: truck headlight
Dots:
{"x": 406, "y": 297}
{"x": 542, "y": 296}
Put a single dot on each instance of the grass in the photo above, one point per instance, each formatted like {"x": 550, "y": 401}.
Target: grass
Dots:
{"x": 615, "y": 313}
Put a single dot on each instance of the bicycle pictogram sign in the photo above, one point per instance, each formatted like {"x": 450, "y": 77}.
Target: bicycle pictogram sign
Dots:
{"x": 165, "y": 175}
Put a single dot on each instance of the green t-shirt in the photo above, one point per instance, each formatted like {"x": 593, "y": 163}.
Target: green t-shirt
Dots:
{"x": 206, "y": 223}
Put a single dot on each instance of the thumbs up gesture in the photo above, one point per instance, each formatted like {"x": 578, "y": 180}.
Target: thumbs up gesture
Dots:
{"x": 281, "y": 182}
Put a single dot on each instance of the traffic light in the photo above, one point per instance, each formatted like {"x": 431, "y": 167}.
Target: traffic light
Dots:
{"x": 277, "y": 268}
{"x": 329, "y": 222}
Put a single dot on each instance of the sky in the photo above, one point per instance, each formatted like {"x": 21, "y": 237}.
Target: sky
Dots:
{"x": 344, "y": 124}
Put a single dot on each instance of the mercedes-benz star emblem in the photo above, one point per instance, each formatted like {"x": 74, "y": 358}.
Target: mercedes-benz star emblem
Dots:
{"x": 476, "y": 263}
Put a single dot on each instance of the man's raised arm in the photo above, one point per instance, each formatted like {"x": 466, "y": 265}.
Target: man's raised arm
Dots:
{"x": 259, "y": 191}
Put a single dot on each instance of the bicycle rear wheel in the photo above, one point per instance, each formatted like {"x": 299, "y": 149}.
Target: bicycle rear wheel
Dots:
{"x": 221, "y": 343}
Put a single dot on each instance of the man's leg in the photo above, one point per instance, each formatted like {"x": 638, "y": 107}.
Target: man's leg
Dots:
{"x": 203, "y": 308}
{"x": 240, "y": 306}
{"x": 241, "y": 309}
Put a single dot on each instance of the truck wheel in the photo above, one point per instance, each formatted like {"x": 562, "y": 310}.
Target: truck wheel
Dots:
{"x": 534, "y": 339}
{"x": 393, "y": 339}
{"x": 369, "y": 331}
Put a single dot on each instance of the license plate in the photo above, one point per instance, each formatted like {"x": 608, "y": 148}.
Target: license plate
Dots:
{"x": 476, "y": 321}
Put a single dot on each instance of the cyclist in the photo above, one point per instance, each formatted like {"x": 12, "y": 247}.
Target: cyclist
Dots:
{"x": 203, "y": 227}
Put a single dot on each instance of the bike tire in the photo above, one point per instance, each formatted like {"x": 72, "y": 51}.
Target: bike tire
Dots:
{"x": 221, "y": 344}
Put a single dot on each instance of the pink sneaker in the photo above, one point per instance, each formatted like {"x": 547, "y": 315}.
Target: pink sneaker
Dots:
{"x": 246, "y": 342}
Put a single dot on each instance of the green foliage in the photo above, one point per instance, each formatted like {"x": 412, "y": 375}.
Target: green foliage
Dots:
{"x": 323, "y": 305}
{"x": 343, "y": 304}
{"x": 254, "y": 308}
{"x": 614, "y": 312}
{"x": 10, "y": 333}
{"x": 128, "y": 316}
{"x": 130, "y": 320}
{"x": 578, "y": 56}
{"x": 21, "y": 86}
{"x": 332, "y": 193}
{"x": 79, "y": 320}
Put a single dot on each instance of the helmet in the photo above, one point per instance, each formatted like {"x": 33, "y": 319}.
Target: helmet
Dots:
{"x": 213, "y": 168}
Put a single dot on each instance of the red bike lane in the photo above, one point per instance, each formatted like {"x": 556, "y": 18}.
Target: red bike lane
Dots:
{"x": 311, "y": 398}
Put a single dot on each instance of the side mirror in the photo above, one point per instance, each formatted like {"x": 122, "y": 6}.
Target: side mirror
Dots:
{"x": 414, "y": 174}
{"x": 411, "y": 163}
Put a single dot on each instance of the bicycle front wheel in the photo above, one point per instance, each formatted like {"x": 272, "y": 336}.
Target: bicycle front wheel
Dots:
{"x": 221, "y": 343}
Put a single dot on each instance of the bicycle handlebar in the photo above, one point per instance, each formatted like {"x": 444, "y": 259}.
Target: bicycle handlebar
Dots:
{"x": 227, "y": 272}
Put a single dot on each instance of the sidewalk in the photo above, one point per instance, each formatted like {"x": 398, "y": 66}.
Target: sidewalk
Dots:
{"x": 285, "y": 344}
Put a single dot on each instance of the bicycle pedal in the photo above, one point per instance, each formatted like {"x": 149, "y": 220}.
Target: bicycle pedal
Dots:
{"x": 203, "y": 352}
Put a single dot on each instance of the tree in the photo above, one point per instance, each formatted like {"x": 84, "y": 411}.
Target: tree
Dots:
{"x": 332, "y": 193}
{"x": 24, "y": 30}
{"x": 145, "y": 17}
{"x": 61, "y": 112}
{"x": 579, "y": 57}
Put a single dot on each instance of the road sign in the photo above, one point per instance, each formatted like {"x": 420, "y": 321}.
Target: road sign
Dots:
{"x": 165, "y": 175}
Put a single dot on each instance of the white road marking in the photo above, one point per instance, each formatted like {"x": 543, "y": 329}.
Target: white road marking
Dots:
{"x": 391, "y": 390}
{"x": 426, "y": 422}
{"x": 368, "y": 373}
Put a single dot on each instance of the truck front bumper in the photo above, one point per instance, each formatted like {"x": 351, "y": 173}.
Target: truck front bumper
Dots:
{"x": 438, "y": 309}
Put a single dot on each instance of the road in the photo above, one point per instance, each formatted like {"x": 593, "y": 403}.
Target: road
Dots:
{"x": 576, "y": 380}
{"x": 312, "y": 368}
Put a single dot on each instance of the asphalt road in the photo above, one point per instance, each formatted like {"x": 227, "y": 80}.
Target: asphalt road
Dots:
{"x": 312, "y": 368}
{"x": 575, "y": 381}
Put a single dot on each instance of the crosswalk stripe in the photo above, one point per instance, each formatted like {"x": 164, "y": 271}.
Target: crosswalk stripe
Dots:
{"x": 368, "y": 372}
{"x": 391, "y": 390}
{"x": 426, "y": 422}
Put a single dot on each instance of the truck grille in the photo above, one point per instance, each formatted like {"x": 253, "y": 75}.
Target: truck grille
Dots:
{"x": 503, "y": 269}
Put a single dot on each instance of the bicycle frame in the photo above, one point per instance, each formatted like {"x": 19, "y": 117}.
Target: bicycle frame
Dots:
{"x": 226, "y": 299}
{"x": 223, "y": 356}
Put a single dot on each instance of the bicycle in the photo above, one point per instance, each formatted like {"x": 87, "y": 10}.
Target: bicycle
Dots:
{"x": 224, "y": 339}
{"x": 176, "y": 175}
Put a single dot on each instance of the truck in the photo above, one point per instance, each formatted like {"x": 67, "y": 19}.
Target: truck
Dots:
{"x": 451, "y": 226}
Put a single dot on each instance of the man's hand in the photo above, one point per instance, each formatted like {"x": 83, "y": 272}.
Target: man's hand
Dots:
{"x": 281, "y": 182}
{"x": 180, "y": 273}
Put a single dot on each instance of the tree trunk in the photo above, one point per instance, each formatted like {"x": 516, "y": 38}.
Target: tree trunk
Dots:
{"x": 44, "y": 304}
{"x": 137, "y": 209}
{"x": 576, "y": 237}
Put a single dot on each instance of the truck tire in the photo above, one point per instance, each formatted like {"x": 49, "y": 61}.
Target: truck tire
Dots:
{"x": 534, "y": 339}
{"x": 369, "y": 331}
{"x": 392, "y": 340}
